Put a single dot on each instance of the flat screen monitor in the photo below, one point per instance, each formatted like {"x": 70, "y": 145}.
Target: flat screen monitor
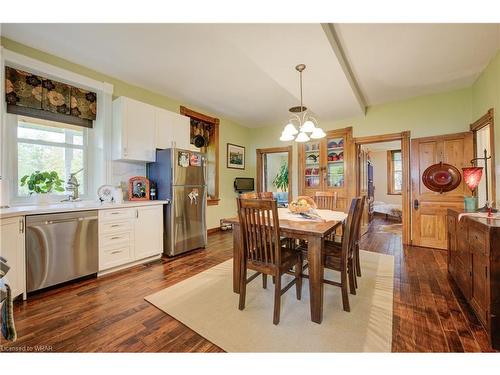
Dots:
{"x": 243, "y": 184}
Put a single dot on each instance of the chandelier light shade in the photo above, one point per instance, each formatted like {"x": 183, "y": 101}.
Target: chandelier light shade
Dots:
{"x": 472, "y": 176}
{"x": 317, "y": 133}
{"x": 302, "y": 137}
{"x": 308, "y": 127}
{"x": 286, "y": 137}
{"x": 290, "y": 129}
{"x": 302, "y": 119}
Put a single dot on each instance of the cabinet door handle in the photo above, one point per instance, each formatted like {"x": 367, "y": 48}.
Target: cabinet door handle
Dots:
{"x": 115, "y": 238}
{"x": 116, "y": 251}
{"x": 485, "y": 272}
{"x": 137, "y": 214}
{"x": 21, "y": 225}
{"x": 115, "y": 225}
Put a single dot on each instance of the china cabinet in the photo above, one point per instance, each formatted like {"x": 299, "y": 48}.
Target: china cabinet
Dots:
{"x": 324, "y": 165}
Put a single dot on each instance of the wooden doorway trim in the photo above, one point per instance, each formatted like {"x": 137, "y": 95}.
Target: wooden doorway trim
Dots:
{"x": 487, "y": 119}
{"x": 273, "y": 150}
{"x": 404, "y": 137}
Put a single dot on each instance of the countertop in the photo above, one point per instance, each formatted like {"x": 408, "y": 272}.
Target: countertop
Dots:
{"x": 71, "y": 206}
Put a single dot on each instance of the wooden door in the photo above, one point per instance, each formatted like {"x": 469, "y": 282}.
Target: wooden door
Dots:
{"x": 429, "y": 209}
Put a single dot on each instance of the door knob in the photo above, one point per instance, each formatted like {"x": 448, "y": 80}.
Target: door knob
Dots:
{"x": 415, "y": 204}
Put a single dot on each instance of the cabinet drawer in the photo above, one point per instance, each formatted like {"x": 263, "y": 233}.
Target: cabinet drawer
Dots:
{"x": 124, "y": 213}
{"x": 114, "y": 240}
{"x": 114, "y": 257}
{"x": 115, "y": 226}
{"x": 478, "y": 239}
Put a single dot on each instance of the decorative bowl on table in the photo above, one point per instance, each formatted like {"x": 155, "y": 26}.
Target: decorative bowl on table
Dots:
{"x": 302, "y": 205}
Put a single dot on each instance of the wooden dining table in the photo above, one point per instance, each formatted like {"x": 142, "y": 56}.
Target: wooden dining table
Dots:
{"x": 314, "y": 232}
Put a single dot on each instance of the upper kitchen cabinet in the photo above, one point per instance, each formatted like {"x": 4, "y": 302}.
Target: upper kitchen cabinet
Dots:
{"x": 173, "y": 130}
{"x": 134, "y": 130}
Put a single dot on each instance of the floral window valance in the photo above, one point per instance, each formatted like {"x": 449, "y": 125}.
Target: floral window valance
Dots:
{"x": 36, "y": 96}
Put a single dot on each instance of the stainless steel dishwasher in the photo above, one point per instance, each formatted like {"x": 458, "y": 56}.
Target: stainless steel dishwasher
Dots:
{"x": 60, "y": 247}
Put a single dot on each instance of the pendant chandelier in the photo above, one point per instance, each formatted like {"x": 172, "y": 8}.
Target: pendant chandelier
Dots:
{"x": 308, "y": 126}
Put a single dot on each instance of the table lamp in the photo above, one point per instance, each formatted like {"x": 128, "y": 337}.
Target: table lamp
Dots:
{"x": 472, "y": 177}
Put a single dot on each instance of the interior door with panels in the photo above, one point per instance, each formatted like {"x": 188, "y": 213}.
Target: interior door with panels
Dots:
{"x": 429, "y": 210}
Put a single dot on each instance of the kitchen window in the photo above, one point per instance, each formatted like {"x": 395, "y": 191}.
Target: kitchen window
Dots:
{"x": 394, "y": 172}
{"x": 43, "y": 145}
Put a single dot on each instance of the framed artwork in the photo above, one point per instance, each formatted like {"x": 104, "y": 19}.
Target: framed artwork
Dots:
{"x": 138, "y": 189}
{"x": 235, "y": 156}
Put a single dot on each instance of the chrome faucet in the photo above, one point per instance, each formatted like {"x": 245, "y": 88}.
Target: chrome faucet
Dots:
{"x": 72, "y": 186}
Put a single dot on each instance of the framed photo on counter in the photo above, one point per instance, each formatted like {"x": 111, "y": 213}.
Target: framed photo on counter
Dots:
{"x": 138, "y": 189}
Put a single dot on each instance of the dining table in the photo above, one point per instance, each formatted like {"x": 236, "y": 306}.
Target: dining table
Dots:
{"x": 295, "y": 226}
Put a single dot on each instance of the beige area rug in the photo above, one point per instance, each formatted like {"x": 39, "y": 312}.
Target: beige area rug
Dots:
{"x": 206, "y": 303}
{"x": 390, "y": 228}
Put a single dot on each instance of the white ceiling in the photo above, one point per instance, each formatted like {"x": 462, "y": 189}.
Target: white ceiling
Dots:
{"x": 397, "y": 61}
{"x": 246, "y": 71}
{"x": 242, "y": 71}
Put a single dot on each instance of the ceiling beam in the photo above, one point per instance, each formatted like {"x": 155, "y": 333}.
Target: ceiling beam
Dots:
{"x": 331, "y": 35}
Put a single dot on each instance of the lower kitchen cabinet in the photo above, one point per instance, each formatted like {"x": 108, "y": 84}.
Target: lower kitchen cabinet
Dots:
{"x": 12, "y": 249}
{"x": 129, "y": 235}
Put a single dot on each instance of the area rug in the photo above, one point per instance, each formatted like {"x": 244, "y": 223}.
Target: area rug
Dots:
{"x": 206, "y": 304}
{"x": 390, "y": 228}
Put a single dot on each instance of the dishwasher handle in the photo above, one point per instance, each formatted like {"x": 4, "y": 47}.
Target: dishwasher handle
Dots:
{"x": 70, "y": 220}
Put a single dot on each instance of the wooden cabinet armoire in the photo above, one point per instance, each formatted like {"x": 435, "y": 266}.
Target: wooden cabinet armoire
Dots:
{"x": 326, "y": 165}
{"x": 474, "y": 264}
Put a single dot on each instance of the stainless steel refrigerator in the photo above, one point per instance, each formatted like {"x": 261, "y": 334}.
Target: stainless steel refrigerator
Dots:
{"x": 180, "y": 177}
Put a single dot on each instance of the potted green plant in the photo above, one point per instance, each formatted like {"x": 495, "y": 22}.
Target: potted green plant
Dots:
{"x": 42, "y": 183}
{"x": 281, "y": 179}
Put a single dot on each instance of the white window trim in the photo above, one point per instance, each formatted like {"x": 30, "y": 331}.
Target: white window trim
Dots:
{"x": 99, "y": 139}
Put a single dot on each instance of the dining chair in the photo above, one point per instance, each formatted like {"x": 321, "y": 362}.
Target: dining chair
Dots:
{"x": 251, "y": 195}
{"x": 326, "y": 200}
{"x": 263, "y": 251}
{"x": 340, "y": 257}
{"x": 266, "y": 195}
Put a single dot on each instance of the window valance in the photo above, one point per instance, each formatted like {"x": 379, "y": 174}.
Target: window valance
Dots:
{"x": 32, "y": 95}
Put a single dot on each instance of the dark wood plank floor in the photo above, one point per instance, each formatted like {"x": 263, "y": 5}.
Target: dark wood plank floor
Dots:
{"x": 110, "y": 314}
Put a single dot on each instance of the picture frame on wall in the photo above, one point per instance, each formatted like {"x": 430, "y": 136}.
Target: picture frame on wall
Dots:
{"x": 235, "y": 156}
{"x": 138, "y": 189}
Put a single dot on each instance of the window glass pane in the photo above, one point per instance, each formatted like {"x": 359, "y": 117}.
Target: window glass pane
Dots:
{"x": 33, "y": 158}
{"x": 40, "y": 132}
{"x": 34, "y": 154}
{"x": 396, "y": 155}
{"x": 398, "y": 181}
{"x": 398, "y": 165}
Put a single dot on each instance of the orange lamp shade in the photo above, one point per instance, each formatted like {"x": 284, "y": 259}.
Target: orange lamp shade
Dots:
{"x": 472, "y": 176}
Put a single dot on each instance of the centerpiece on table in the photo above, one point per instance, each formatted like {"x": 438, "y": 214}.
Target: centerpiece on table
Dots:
{"x": 304, "y": 206}
{"x": 42, "y": 184}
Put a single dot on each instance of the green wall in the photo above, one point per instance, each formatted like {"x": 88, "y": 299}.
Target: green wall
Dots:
{"x": 448, "y": 112}
{"x": 486, "y": 95}
{"x": 229, "y": 130}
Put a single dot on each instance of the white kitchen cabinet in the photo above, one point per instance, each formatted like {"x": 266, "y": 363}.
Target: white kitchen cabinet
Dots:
{"x": 134, "y": 130}
{"x": 148, "y": 231}
{"x": 173, "y": 130}
{"x": 129, "y": 235}
{"x": 13, "y": 250}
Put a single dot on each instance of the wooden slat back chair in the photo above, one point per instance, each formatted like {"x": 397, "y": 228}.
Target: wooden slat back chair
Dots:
{"x": 340, "y": 258}
{"x": 357, "y": 236}
{"x": 263, "y": 252}
{"x": 266, "y": 195}
{"x": 251, "y": 195}
{"x": 327, "y": 200}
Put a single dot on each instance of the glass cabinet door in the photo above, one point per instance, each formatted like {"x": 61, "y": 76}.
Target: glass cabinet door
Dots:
{"x": 312, "y": 165}
{"x": 335, "y": 162}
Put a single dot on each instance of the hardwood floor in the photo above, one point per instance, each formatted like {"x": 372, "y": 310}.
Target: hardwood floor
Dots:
{"x": 110, "y": 314}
